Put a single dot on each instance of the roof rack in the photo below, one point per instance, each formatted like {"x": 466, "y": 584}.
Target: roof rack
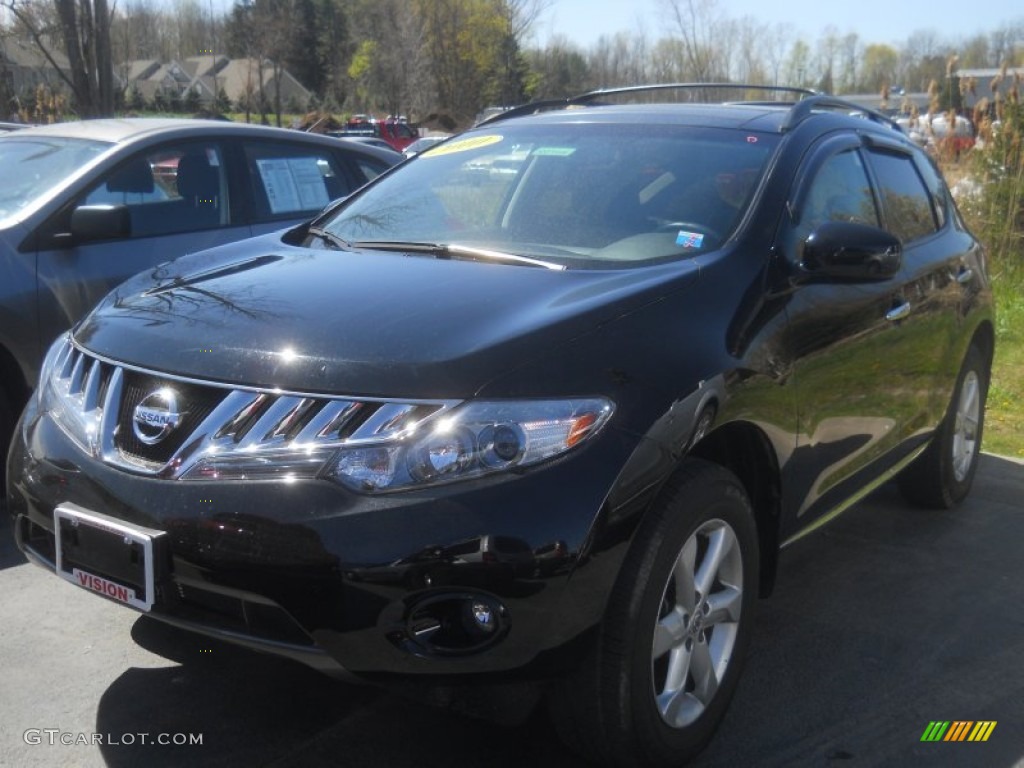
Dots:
{"x": 807, "y": 101}
{"x": 823, "y": 103}
{"x": 592, "y": 95}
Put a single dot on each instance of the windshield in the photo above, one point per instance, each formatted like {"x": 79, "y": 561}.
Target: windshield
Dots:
{"x": 31, "y": 166}
{"x": 580, "y": 194}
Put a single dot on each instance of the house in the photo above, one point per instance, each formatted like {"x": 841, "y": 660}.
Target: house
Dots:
{"x": 23, "y": 68}
{"x": 207, "y": 76}
{"x": 155, "y": 81}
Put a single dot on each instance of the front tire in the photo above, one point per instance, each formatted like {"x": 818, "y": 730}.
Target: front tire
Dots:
{"x": 941, "y": 477}
{"x": 675, "y": 632}
{"x": 7, "y": 422}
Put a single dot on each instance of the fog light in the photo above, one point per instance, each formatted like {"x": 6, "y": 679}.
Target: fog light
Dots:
{"x": 484, "y": 617}
{"x": 452, "y": 624}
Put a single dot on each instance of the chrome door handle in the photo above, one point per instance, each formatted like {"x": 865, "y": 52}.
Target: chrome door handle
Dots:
{"x": 898, "y": 313}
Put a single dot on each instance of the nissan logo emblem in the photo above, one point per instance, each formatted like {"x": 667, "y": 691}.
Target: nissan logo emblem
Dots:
{"x": 156, "y": 416}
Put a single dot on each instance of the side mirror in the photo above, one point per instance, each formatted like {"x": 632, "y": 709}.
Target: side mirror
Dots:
{"x": 844, "y": 250}
{"x": 100, "y": 222}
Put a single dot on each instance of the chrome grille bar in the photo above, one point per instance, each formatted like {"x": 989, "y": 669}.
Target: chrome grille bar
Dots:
{"x": 267, "y": 433}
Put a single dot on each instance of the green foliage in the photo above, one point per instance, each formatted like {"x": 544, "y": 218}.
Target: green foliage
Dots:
{"x": 996, "y": 215}
{"x": 135, "y": 101}
{"x": 191, "y": 103}
{"x": 223, "y": 103}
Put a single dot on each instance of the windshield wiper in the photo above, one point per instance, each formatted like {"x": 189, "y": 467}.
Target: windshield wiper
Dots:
{"x": 457, "y": 251}
{"x": 329, "y": 238}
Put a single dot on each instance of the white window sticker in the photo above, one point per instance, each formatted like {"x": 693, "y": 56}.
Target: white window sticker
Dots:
{"x": 293, "y": 184}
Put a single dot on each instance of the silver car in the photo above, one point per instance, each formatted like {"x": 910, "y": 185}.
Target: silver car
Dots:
{"x": 85, "y": 205}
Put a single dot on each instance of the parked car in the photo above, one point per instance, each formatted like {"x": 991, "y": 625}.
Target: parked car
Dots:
{"x": 7, "y": 127}
{"x": 84, "y": 205}
{"x": 372, "y": 141}
{"x": 549, "y": 425}
{"x": 398, "y": 132}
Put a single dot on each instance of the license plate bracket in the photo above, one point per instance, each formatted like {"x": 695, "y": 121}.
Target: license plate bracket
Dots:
{"x": 105, "y": 555}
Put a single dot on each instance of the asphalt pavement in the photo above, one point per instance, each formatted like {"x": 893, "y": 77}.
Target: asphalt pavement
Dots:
{"x": 881, "y": 623}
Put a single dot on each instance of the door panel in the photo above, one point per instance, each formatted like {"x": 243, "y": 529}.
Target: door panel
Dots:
{"x": 846, "y": 343}
{"x": 934, "y": 268}
{"x": 178, "y": 201}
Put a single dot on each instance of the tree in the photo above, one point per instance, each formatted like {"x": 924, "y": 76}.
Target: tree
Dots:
{"x": 558, "y": 70}
{"x": 389, "y": 68}
{"x": 878, "y": 68}
{"x": 620, "y": 59}
{"x": 797, "y": 66}
{"x": 84, "y": 28}
{"x": 700, "y": 27}
{"x": 464, "y": 39}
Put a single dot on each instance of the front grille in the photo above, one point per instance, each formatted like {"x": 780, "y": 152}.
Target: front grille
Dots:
{"x": 215, "y": 428}
{"x": 197, "y": 403}
{"x": 260, "y": 620}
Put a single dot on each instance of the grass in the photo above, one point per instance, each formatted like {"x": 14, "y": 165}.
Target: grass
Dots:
{"x": 995, "y": 214}
{"x": 1004, "y": 419}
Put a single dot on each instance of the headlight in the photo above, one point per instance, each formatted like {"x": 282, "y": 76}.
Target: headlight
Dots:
{"x": 69, "y": 392}
{"x": 476, "y": 439}
{"x": 59, "y": 349}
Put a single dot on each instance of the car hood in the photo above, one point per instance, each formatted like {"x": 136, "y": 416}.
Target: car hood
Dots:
{"x": 265, "y": 314}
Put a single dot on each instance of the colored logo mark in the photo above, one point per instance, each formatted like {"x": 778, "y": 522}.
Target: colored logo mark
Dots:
{"x": 958, "y": 730}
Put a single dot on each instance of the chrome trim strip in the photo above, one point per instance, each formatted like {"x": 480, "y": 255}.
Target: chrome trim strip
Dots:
{"x": 877, "y": 483}
{"x": 259, "y": 390}
{"x": 330, "y": 421}
{"x": 108, "y": 418}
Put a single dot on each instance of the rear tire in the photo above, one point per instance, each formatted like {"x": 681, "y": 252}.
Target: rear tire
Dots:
{"x": 941, "y": 477}
{"x": 675, "y": 632}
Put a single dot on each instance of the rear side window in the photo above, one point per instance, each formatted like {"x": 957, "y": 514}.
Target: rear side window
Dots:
{"x": 294, "y": 182}
{"x": 908, "y": 206}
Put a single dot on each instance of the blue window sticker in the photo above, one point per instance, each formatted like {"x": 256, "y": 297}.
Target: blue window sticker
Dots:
{"x": 690, "y": 239}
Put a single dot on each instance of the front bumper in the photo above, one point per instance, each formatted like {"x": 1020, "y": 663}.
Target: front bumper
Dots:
{"x": 375, "y": 586}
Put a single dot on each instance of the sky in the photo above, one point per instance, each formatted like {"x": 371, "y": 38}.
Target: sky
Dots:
{"x": 874, "y": 21}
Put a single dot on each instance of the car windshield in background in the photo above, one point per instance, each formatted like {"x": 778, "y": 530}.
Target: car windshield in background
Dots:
{"x": 31, "y": 166}
{"x": 578, "y": 194}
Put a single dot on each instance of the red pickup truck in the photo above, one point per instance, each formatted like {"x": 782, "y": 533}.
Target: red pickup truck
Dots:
{"x": 396, "y": 131}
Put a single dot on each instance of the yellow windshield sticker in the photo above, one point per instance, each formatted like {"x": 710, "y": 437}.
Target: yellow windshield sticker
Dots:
{"x": 462, "y": 145}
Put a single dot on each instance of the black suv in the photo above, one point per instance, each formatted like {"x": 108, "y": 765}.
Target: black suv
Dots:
{"x": 545, "y": 400}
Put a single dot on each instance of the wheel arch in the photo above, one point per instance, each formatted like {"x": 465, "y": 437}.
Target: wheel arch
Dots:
{"x": 985, "y": 339}
{"x": 745, "y": 450}
{"x": 13, "y": 386}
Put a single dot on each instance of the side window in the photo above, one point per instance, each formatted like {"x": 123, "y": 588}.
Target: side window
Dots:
{"x": 908, "y": 207}
{"x": 840, "y": 191}
{"x": 180, "y": 188}
{"x": 293, "y": 181}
